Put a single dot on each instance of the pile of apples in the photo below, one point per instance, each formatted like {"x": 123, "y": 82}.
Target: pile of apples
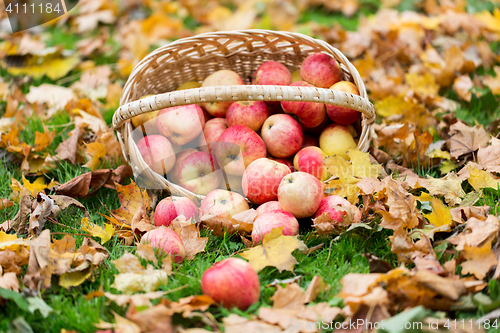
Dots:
{"x": 272, "y": 153}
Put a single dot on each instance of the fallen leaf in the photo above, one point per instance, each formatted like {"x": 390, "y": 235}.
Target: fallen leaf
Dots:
{"x": 9, "y": 281}
{"x": 39, "y": 267}
{"x": 138, "y": 300}
{"x": 440, "y": 215}
{"x": 134, "y": 277}
{"x": 96, "y": 150}
{"x": 236, "y": 324}
{"x": 131, "y": 198}
{"x": 146, "y": 251}
{"x": 462, "y": 87}
{"x": 276, "y": 250}
{"x": 450, "y": 187}
{"x": 19, "y": 222}
{"x": 121, "y": 325}
{"x": 186, "y": 305}
{"x": 155, "y": 319}
{"x": 479, "y": 179}
{"x": 56, "y": 97}
{"x": 76, "y": 276}
{"x": 40, "y": 213}
{"x": 97, "y": 231}
{"x": 466, "y": 139}
{"x": 53, "y": 66}
{"x": 68, "y": 149}
{"x": 190, "y": 236}
{"x": 479, "y": 260}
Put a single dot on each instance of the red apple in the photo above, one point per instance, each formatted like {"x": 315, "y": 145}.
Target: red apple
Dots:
{"x": 329, "y": 205}
{"x": 321, "y": 70}
{"x": 231, "y": 282}
{"x": 272, "y": 73}
{"x": 251, "y": 114}
{"x": 300, "y": 194}
{"x": 157, "y": 152}
{"x": 317, "y": 129}
{"x": 171, "y": 207}
{"x": 197, "y": 173}
{"x": 311, "y": 160}
{"x": 282, "y": 135}
{"x": 286, "y": 161}
{"x": 173, "y": 174}
{"x": 309, "y": 114}
{"x": 309, "y": 141}
{"x": 337, "y": 139}
{"x": 262, "y": 179}
{"x": 269, "y": 206}
{"x": 339, "y": 114}
{"x": 211, "y": 133}
{"x": 237, "y": 147}
{"x": 222, "y": 77}
{"x": 271, "y": 220}
{"x": 181, "y": 124}
{"x": 223, "y": 204}
{"x": 166, "y": 241}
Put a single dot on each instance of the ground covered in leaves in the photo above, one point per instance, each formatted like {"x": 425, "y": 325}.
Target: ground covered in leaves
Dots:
{"x": 426, "y": 252}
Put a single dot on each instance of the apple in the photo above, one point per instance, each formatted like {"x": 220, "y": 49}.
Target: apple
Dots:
{"x": 296, "y": 76}
{"x": 173, "y": 174}
{"x": 231, "y": 282}
{"x": 321, "y": 70}
{"x": 311, "y": 160}
{"x": 300, "y": 194}
{"x": 330, "y": 205}
{"x": 197, "y": 174}
{"x": 286, "y": 161}
{"x": 317, "y": 129}
{"x": 337, "y": 139}
{"x": 223, "y": 204}
{"x": 223, "y": 77}
{"x": 189, "y": 85}
{"x": 272, "y": 73}
{"x": 269, "y": 206}
{"x": 271, "y": 220}
{"x": 181, "y": 124}
{"x": 309, "y": 141}
{"x": 261, "y": 180}
{"x": 165, "y": 241}
{"x": 339, "y": 114}
{"x": 157, "y": 152}
{"x": 309, "y": 114}
{"x": 282, "y": 135}
{"x": 171, "y": 207}
{"x": 147, "y": 122}
{"x": 211, "y": 132}
{"x": 237, "y": 147}
{"x": 251, "y": 114}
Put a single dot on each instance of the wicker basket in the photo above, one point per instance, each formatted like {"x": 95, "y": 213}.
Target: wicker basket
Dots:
{"x": 194, "y": 58}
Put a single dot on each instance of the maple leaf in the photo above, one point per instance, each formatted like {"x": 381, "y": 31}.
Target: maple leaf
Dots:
{"x": 477, "y": 232}
{"x": 479, "y": 260}
{"x": 423, "y": 84}
{"x": 28, "y": 188}
{"x": 40, "y": 267}
{"x": 190, "y": 236}
{"x": 462, "y": 86}
{"x": 133, "y": 277}
{"x": 489, "y": 158}
{"x": 349, "y": 173}
{"x": 97, "y": 231}
{"x": 56, "y": 97}
{"x": 96, "y": 150}
{"x": 450, "y": 187}
{"x": 440, "y": 215}
{"x": 121, "y": 325}
{"x": 466, "y": 139}
{"x": 479, "y": 179}
{"x": 52, "y": 65}
{"x": 132, "y": 198}
{"x": 9, "y": 281}
{"x": 276, "y": 250}
{"x": 402, "y": 205}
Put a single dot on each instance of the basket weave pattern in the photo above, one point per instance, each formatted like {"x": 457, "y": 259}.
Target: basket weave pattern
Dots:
{"x": 194, "y": 58}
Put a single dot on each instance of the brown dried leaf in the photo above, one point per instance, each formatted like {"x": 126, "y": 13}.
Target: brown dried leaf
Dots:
{"x": 43, "y": 209}
{"x": 450, "y": 187}
{"x": 155, "y": 319}
{"x": 186, "y": 305}
{"x": 39, "y": 267}
{"x": 190, "y": 236}
{"x": 316, "y": 287}
{"x": 479, "y": 260}
{"x": 67, "y": 244}
{"x": 18, "y": 223}
{"x": 403, "y": 211}
{"x": 236, "y": 324}
{"x": 477, "y": 233}
{"x": 131, "y": 198}
{"x": 466, "y": 139}
{"x": 140, "y": 221}
{"x": 146, "y": 251}
{"x": 9, "y": 281}
{"x": 68, "y": 149}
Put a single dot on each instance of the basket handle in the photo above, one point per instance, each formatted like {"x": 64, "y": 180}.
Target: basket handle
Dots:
{"x": 244, "y": 93}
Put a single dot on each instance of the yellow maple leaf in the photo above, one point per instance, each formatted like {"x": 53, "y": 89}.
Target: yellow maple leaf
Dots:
{"x": 348, "y": 173}
{"x": 479, "y": 179}
{"x": 440, "y": 215}
{"x": 479, "y": 260}
{"x": 4, "y": 237}
{"x": 423, "y": 84}
{"x": 491, "y": 22}
{"x": 97, "y": 231}
{"x": 276, "y": 250}
{"x": 53, "y": 66}
{"x": 42, "y": 140}
{"x": 28, "y": 188}
{"x": 450, "y": 187}
{"x": 96, "y": 150}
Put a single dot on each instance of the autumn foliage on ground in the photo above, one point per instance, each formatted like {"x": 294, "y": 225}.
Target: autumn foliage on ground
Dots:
{"x": 429, "y": 184}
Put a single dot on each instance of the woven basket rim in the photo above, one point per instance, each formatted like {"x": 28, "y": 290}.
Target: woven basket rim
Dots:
{"x": 129, "y": 109}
